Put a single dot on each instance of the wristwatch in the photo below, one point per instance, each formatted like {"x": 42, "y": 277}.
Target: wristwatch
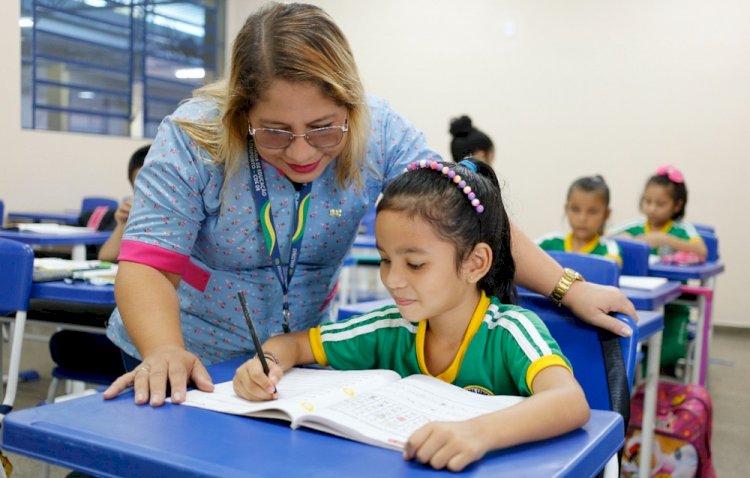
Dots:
{"x": 562, "y": 287}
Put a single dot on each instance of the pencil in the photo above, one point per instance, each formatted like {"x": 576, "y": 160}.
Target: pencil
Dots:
{"x": 253, "y": 333}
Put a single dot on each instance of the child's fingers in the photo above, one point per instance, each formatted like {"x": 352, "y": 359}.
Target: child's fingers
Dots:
{"x": 415, "y": 445}
{"x": 251, "y": 383}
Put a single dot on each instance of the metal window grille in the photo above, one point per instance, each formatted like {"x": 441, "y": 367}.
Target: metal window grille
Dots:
{"x": 115, "y": 67}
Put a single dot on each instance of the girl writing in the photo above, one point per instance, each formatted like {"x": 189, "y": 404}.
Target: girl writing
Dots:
{"x": 451, "y": 279}
{"x": 587, "y": 209}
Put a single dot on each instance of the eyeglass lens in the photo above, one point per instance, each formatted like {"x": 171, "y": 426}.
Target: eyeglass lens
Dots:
{"x": 317, "y": 138}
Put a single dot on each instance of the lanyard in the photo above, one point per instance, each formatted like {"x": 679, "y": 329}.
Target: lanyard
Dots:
{"x": 263, "y": 207}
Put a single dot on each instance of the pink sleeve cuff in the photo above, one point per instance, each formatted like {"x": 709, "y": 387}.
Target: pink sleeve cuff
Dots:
{"x": 164, "y": 260}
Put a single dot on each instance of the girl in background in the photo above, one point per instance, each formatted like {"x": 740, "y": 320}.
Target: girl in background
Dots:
{"x": 452, "y": 282}
{"x": 469, "y": 141}
{"x": 663, "y": 204}
{"x": 587, "y": 209}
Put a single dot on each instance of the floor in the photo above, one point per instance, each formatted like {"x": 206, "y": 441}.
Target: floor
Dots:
{"x": 729, "y": 384}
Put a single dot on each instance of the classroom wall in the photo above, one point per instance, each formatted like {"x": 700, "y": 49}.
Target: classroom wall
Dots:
{"x": 565, "y": 89}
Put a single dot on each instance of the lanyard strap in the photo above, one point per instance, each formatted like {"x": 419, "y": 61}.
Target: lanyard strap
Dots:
{"x": 263, "y": 207}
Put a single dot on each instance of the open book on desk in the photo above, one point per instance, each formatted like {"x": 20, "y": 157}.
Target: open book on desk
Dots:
{"x": 376, "y": 407}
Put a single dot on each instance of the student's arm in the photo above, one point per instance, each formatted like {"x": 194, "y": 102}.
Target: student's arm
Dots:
{"x": 454, "y": 445}
{"x": 111, "y": 248}
{"x": 658, "y": 239}
{"x": 282, "y": 352}
{"x": 149, "y": 306}
{"x": 592, "y": 303}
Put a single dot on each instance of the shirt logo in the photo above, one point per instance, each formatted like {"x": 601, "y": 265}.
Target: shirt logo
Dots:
{"x": 335, "y": 212}
{"x": 479, "y": 390}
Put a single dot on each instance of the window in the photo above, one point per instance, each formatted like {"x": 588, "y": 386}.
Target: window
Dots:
{"x": 115, "y": 67}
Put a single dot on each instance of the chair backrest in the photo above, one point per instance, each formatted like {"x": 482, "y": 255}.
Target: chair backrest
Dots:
{"x": 16, "y": 269}
{"x": 92, "y": 202}
{"x": 712, "y": 245}
{"x": 634, "y": 256}
{"x": 704, "y": 228}
{"x": 581, "y": 344}
{"x": 597, "y": 269}
{"x": 367, "y": 224}
{"x": 2, "y": 213}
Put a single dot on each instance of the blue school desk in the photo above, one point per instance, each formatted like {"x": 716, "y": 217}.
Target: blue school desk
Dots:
{"x": 705, "y": 274}
{"x": 76, "y": 291}
{"x": 79, "y": 241}
{"x": 70, "y": 218}
{"x": 116, "y": 438}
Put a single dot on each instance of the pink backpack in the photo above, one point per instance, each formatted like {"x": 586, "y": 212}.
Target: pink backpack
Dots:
{"x": 682, "y": 444}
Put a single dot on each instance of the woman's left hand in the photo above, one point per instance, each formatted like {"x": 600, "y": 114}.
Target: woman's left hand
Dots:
{"x": 592, "y": 303}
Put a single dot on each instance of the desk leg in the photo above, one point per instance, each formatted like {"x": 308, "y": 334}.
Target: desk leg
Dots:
{"x": 79, "y": 252}
{"x": 19, "y": 326}
{"x": 649, "y": 403}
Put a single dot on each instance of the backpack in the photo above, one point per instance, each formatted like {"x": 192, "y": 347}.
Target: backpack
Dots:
{"x": 682, "y": 435}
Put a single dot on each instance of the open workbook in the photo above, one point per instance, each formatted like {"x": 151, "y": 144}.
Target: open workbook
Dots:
{"x": 377, "y": 407}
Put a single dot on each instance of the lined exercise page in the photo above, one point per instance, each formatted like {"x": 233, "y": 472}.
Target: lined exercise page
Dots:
{"x": 301, "y": 391}
{"x": 387, "y": 416}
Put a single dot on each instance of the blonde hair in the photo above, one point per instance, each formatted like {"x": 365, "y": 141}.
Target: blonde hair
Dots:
{"x": 293, "y": 42}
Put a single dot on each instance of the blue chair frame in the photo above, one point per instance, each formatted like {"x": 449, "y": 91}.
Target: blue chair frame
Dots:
{"x": 634, "y": 256}
{"x": 16, "y": 270}
{"x": 2, "y": 213}
{"x": 580, "y": 343}
{"x": 92, "y": 202}
{"x": 597, "y": 269}
{"x": 712, "y": 245}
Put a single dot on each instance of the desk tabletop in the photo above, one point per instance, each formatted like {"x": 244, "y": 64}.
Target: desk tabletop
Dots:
{"x": 116, "y": 438}
{"x": 66, "y": 217}
{"x": 653, "y": 299}
{"x": 77, "y": 291}
{"x": 678, "y": 273}
{"x": 37, "y": 238}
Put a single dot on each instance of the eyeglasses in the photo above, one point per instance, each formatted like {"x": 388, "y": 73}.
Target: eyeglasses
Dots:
{"x": 320, "y": 138}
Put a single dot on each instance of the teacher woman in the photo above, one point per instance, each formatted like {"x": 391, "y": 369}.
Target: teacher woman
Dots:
{"x": 257, "y": 185}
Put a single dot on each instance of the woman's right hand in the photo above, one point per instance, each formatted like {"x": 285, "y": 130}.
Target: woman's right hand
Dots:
{"x": 168, "y": 364}
{"x": 251, "y": 383}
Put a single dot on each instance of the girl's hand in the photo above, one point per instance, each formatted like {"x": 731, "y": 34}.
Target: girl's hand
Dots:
{"x": 592, "y": 303}
{"x": 452, "y": 445}
{"x": 654, "y": 239}
{"x": 123, "y": 211}
{"x": 169, "y": 364}
{"x": 252, "y": 384}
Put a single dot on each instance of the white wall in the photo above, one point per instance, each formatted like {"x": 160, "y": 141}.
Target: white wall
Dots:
{"x": 565, "y": 89}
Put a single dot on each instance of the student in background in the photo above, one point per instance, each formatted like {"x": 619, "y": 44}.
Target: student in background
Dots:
{"x": 292, "y": 114}
{"x": 88, "y": 351}
{"x": 587, "y": 209}
{"x": 469, "y": 141}
{"x": 452, "y": 281}
{"x": 111, "y": 249}
{"x": 663, "y": 203}
{"x": 105, "y": 219}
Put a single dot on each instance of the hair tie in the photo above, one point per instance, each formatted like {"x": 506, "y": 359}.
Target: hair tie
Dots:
{"x": 672, "y": 173}
{"x": 467, "y": 163}
{"x": 454, "y": 177}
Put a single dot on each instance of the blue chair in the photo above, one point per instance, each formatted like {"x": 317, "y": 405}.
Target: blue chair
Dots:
{"x": 712, "y": 245}
{"x": 2, "y": 213}
{"x": 704, "y": 228}
{"x": 92, "y": 202}
{"x": 16, "y": 269}
{"x": 634, "y": 256}
{"x": 597, "y": 269}
{"x": 579, "y": 342}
